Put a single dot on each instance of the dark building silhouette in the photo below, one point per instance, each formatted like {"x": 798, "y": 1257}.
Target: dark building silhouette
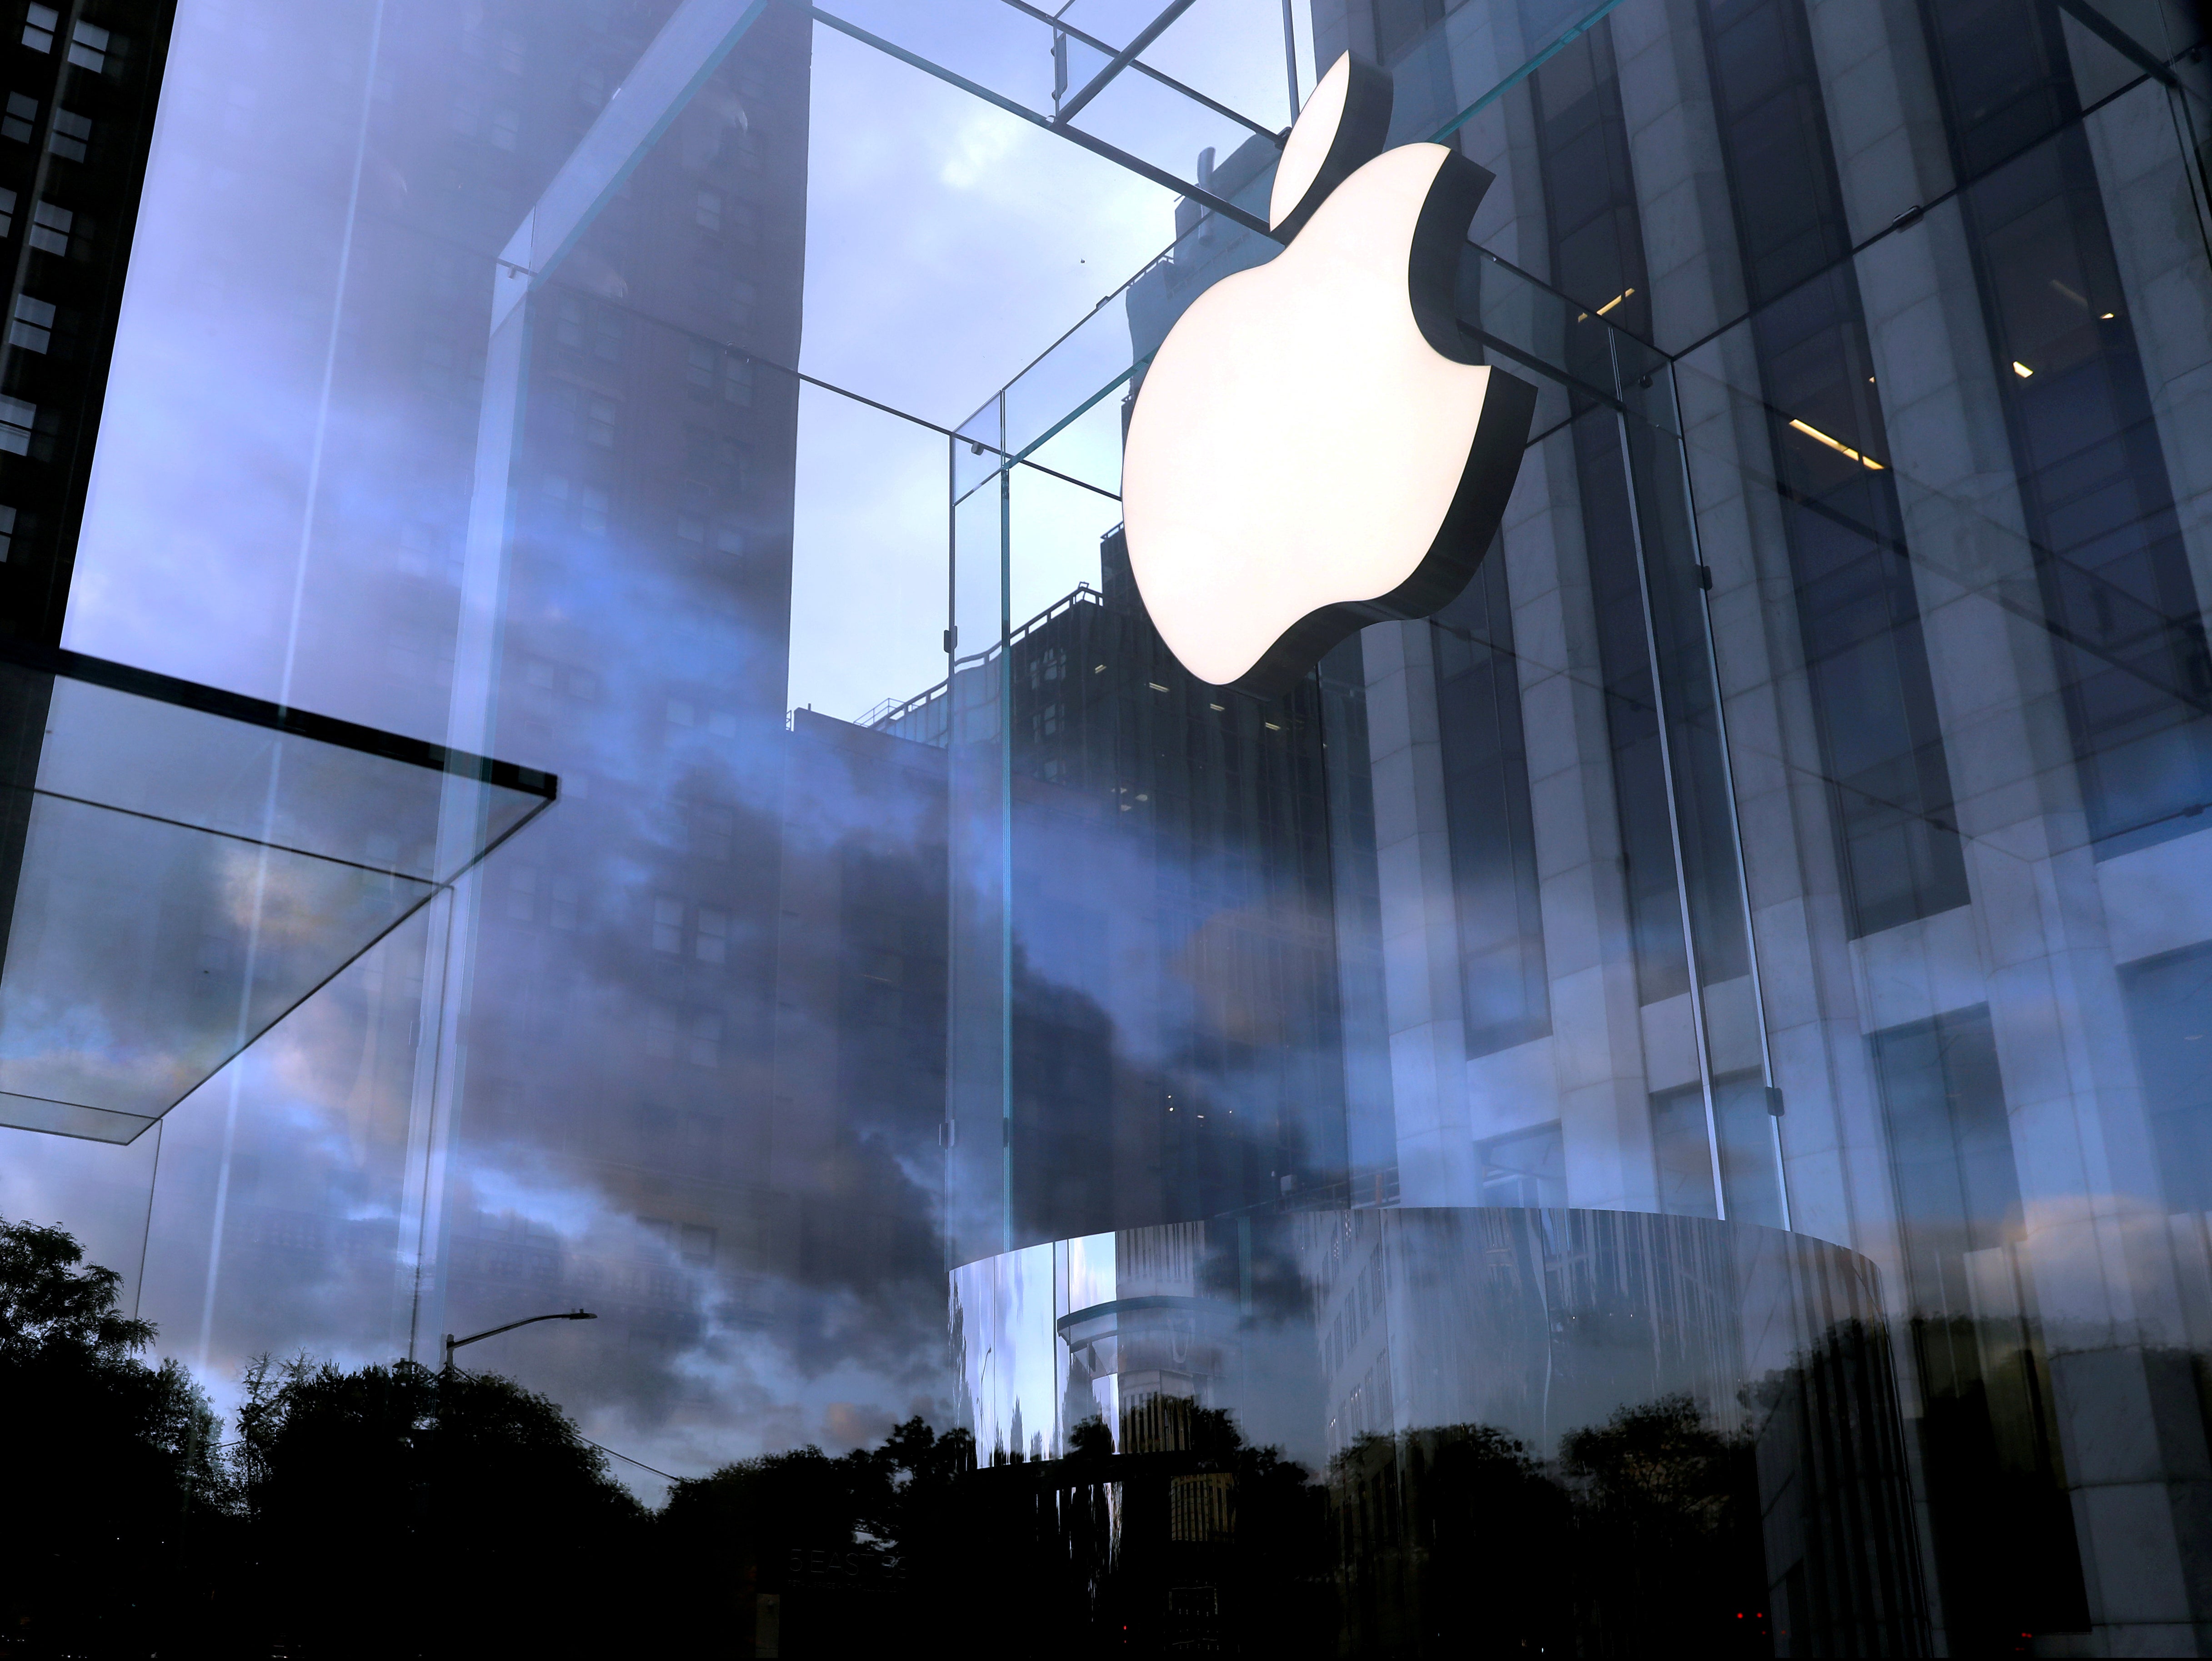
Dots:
{"x": 82, "y": 81}
{"x": 1173, "y": 1044}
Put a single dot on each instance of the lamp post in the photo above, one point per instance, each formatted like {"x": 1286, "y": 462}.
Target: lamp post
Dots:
{"x": 454, "y": 1343}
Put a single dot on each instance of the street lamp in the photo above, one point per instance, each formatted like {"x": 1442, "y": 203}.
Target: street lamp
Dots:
{"x": 454, "y": 1343}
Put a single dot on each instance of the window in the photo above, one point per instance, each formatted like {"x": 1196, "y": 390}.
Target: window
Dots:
{"x": 591, "y": 512}
{"x": 16, "y": 419}
{"x": 7, "y": 212}
{"x": 506, "y": 128}
{"x": 1983, "y": 1377}
{"x": 49, "y": 226}
{"x": 88, "y": 45}
{"x": 1528, "y": 1168}
{"x": 70, "y": 132}
{"x": 32, "y": 327}
{"x": 708, "y": 212}
{"x": 1866, "y": 664}
{"x": 2169, "y": 1005}
{"x": 667, "y": 925}
{"x": 744, "y": 223}
{"x": 660, "y": 1034}
{"x": 22, "y": 112}
{"x": 713, "y": 830}
{"x": 1400, "y": 23}
{"x": 744, "y": 297}
{"x": 7, "y": 531}
{"x": 729, "y": 539}
{"x": 713, "y": 944}
{"x": 705, "y": 1049}
{"x": 1504, "y": 992}
{"x": 688, "y": 529}
{"x": 1750, "y": 1177}
{"x": 39, "y": 26}
{"x": 737, "y": 382}
{"x": 698, "y": 1243}
{"x": 699, "y": 365}
{"x": 600, "y": 422}
{"x": 568, "y": 323}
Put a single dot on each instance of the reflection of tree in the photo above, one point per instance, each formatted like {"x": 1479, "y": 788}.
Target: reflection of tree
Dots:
{"x": 852, "y": 1548}
{"x": 478, "y": 1494}
{"x": 1451, "y": 1533}
{"x": 114, "y": 1498}
{"x": 1215, "y": 1544}
{"x": 2003, "y": 1525}
{"x": 1455, "y": 1540}
{"x": 1666, "y": 1534}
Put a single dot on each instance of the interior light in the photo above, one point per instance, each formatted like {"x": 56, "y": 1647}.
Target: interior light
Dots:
{"x": 2104, "y": 317}
{"x": 1155, "y": 685}
{"x": 1274, "y": 726}
{"x": 1615, "y": 301}
{"x": 1100, "y": 670}
{"x": 2022, "y": 369}
{"x": 1217, "y": 706}
{"x": 1837, "y": 445}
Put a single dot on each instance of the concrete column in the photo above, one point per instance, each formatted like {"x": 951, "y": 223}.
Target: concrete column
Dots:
{"x": 1421, "y": 932}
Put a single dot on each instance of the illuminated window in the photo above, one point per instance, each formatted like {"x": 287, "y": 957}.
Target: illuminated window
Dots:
{"x": 69, "y": 135}
{"x": 88, "y": 45}
{"x": 49, "y": 226}
{"x": 32, "y": 325}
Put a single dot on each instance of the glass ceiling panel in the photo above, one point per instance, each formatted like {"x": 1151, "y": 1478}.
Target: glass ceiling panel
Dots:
{"x": 189, "y": 865}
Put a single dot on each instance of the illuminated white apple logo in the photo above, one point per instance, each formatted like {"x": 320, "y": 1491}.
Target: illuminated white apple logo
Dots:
{"x": 1312, "y": 449}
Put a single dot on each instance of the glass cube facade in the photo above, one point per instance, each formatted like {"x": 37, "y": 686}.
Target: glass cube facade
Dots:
{"x": 1674, "y": 1094}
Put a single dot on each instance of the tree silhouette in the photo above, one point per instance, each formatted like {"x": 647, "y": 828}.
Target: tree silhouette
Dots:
{"x": 115, "y": 1493}
{"x": 397, "y": 1510}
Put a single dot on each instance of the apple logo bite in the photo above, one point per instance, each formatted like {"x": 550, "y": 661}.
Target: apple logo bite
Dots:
{"x": 1313, "y": 448}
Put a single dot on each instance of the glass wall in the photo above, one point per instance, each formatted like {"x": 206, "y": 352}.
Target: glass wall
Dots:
{"x": 1665, "y": 1091}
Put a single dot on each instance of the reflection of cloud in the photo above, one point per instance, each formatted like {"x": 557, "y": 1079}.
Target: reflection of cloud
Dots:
{"x": 978, "y": 146}
{"x": 843, "y": 1422}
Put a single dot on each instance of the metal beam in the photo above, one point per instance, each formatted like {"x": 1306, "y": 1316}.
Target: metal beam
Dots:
{"x": 1122, "y": 59}
{"x": 1120, "y": 157}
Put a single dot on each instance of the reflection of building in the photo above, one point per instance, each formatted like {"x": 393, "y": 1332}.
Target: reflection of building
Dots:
{"x": 624, "y": 1020}
{"x": 1538, "y": 1426}
{"x": 1175, "y": 1047}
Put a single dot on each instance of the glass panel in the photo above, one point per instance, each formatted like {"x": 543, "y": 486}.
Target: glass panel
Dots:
{"x": 1478, "y": 1083}
{"x": 184, "y": 870}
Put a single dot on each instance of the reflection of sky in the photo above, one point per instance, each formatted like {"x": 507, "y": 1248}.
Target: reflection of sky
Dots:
{"x": 948, "y": 245}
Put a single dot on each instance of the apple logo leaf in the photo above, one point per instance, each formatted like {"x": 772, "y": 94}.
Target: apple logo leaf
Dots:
{"x": 1314, "y": 448}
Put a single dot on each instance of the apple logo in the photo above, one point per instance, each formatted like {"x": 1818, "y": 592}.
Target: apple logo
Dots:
{"x": 1313, "y": 448}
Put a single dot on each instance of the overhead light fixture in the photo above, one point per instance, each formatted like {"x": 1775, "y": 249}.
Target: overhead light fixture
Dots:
{"x": 1837, "y": 445}
{"x": 2022, "y": 369}
{"x": 1615, "y": 301}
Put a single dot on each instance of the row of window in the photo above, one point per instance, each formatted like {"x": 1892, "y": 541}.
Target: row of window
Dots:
{"x": 70, "y": 135}
{"x": 88, "y": 43}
